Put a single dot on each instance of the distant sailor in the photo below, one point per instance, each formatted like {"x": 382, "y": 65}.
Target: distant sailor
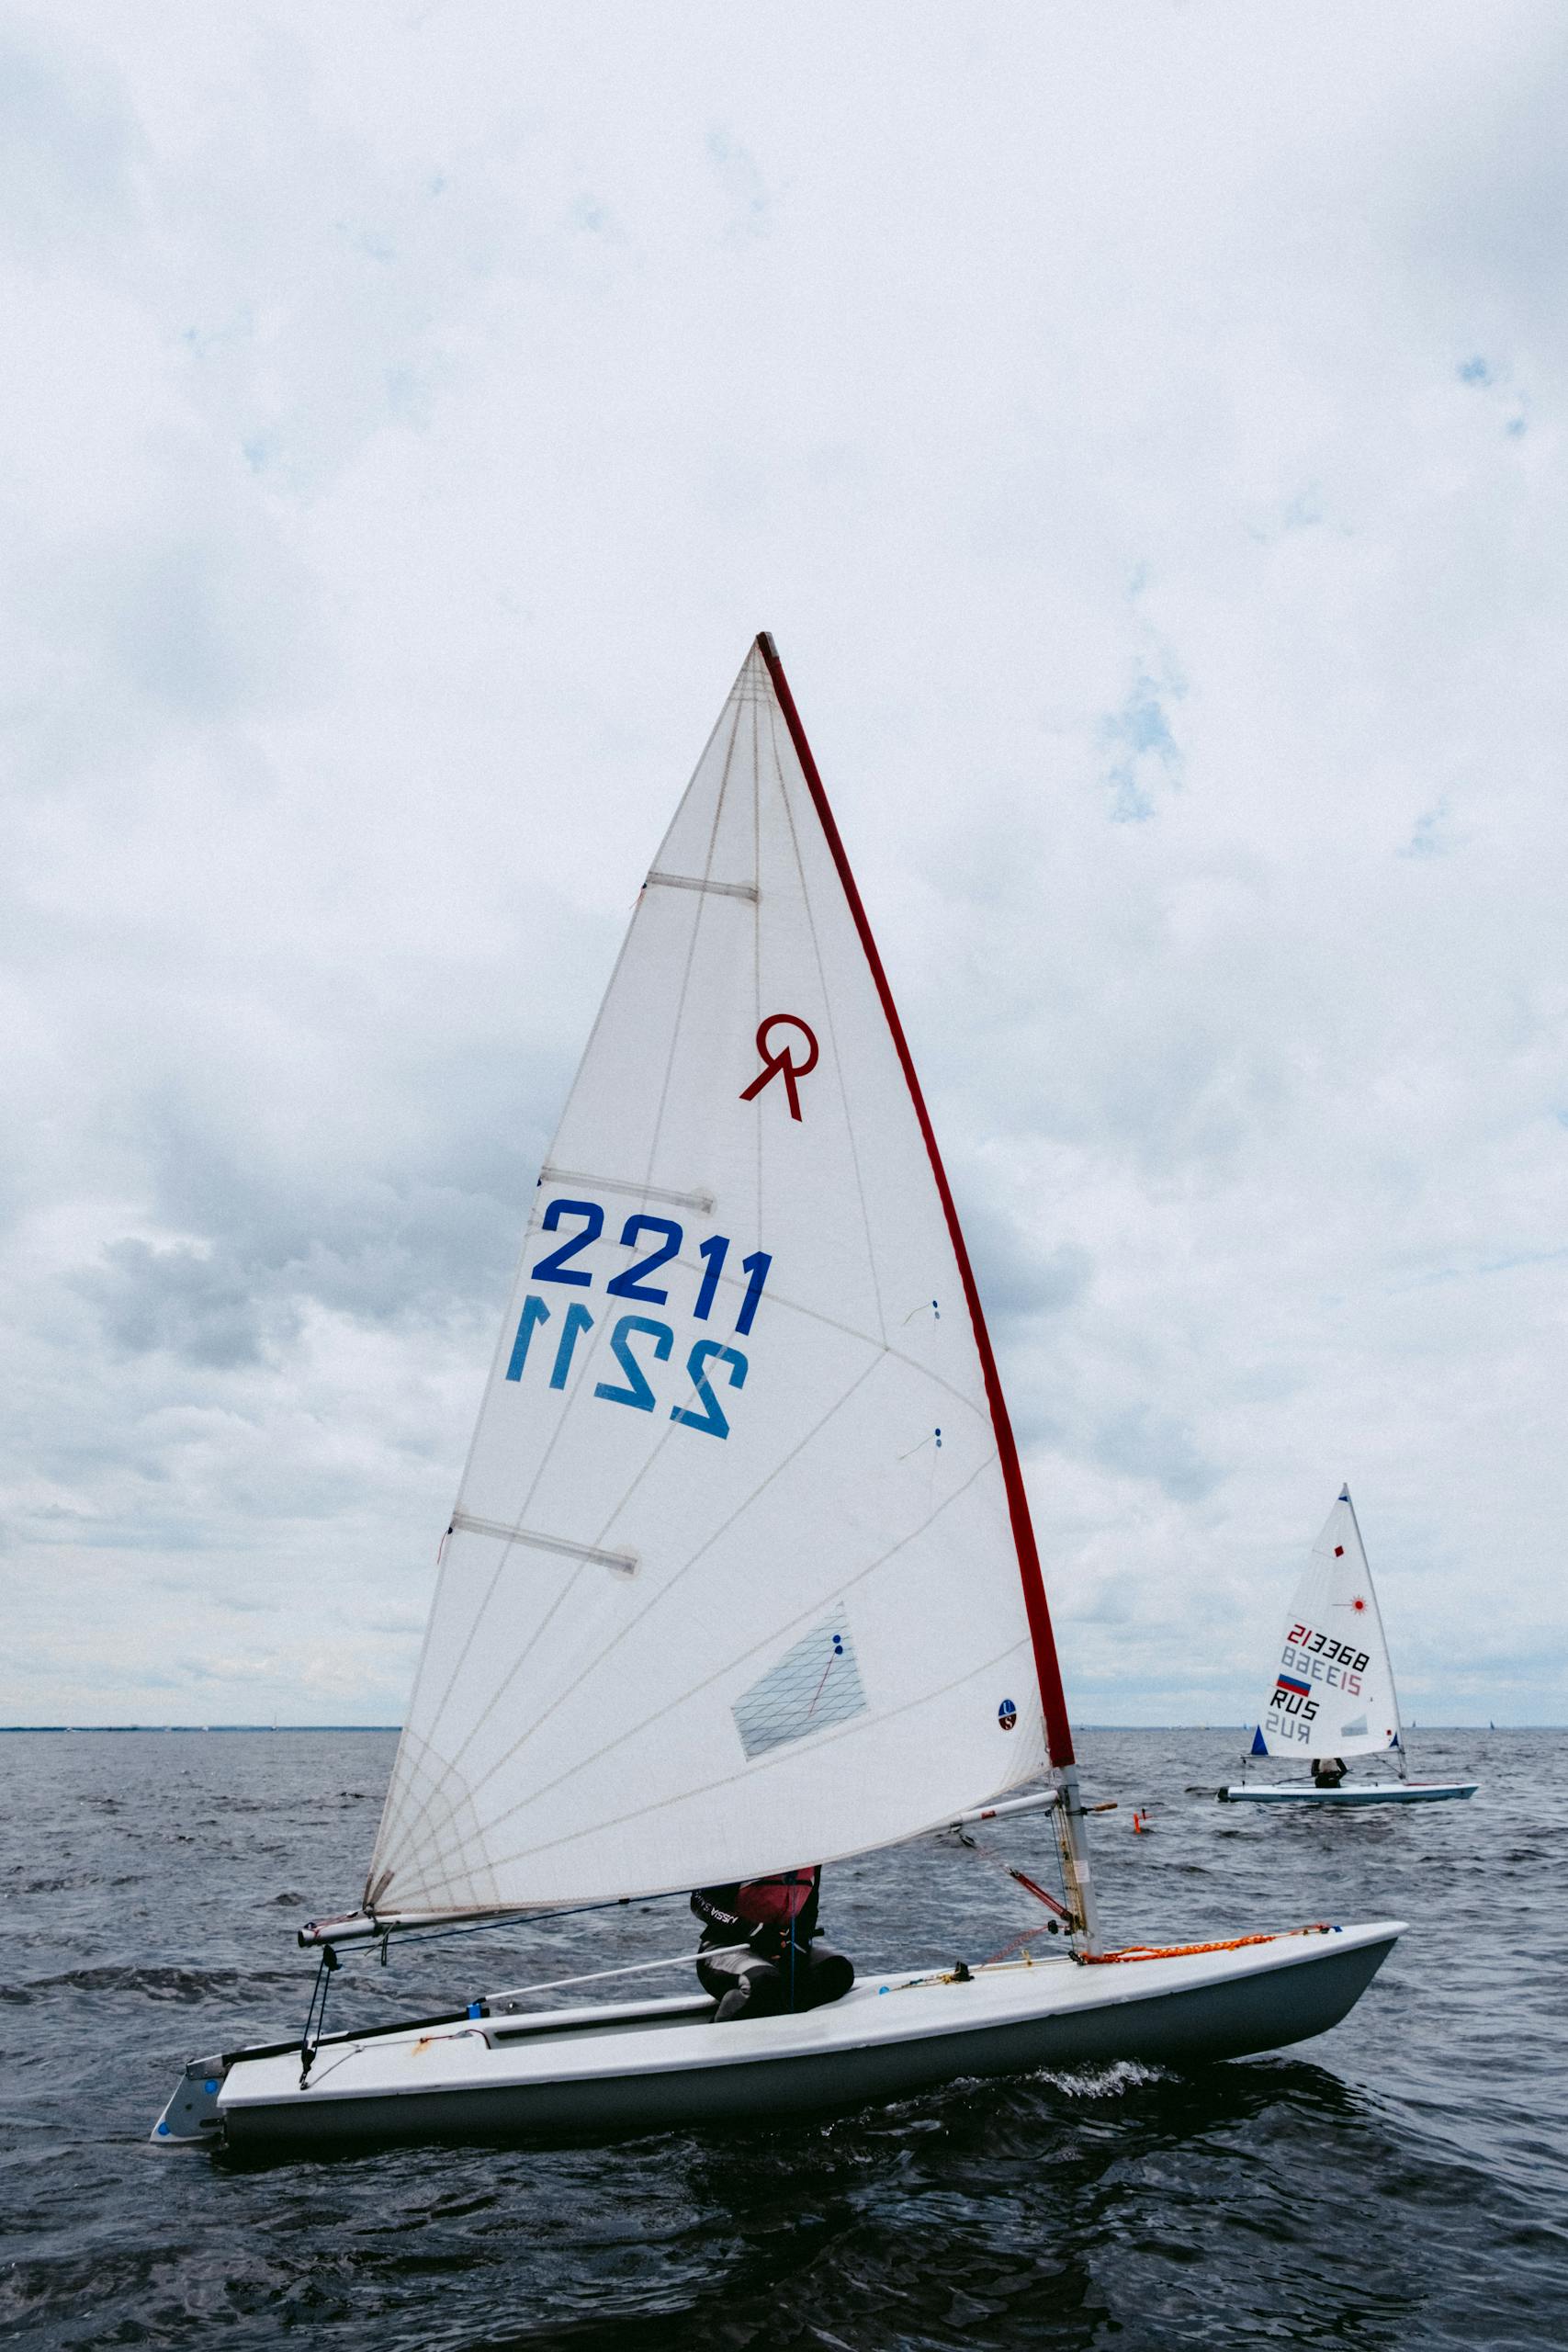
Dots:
{"x": 761, "y": 1954}
{"x": 1327, "y": 1771}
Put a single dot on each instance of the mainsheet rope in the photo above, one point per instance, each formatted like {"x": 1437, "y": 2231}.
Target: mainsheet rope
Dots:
{"x": 1180, "y": 1951}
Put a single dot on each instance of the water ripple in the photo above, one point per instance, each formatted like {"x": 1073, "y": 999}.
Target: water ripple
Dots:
{"x": 1399, "y": 2184}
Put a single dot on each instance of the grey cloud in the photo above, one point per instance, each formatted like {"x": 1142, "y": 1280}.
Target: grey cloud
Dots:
{"x": 1145, "y": 754}
{"x": 196, "y": 630}
{"x": 1145, "y": 1443}
{"x": 180, "y": 1299}
{"x": 1018, "y": 1280}
{"x": 1432, "y": 836}
{"x": 751, "y": 206}
{"x": 68, "y": 147}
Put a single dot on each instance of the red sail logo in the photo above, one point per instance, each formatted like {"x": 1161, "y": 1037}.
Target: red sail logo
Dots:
{"x": 779, "y": 1061}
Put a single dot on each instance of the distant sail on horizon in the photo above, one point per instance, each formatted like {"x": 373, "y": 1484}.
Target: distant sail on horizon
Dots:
{"x": 1333, "y": 1691}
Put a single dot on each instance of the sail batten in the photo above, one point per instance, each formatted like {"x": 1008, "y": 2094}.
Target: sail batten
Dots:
{"x": 625, "y": 1563}
{"x": 702, "y": 882}
{"x": 628, "y": 1188}
{"x": 747, "y": 1372}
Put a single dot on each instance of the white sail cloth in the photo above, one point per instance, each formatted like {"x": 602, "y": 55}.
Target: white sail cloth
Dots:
{"x": 731, "y": 1583}
{"x": 1333, "y": 1692}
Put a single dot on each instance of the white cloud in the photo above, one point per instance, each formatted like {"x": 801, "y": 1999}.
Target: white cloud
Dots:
{"x": 1151, "y": 416}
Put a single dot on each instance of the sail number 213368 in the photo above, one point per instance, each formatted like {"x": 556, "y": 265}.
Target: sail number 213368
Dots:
{"x": 640, "y": 1343}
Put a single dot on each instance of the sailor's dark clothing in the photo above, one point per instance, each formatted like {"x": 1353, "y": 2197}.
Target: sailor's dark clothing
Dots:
{"x": 762, "y": 1953}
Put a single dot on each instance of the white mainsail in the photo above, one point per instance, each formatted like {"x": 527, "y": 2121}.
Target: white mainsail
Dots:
{"x": 734, "y": 1578}
{"x": 1333, "y": 1691}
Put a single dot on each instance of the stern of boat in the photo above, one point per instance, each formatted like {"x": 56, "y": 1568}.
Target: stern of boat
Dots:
{"x": 191, "y": 2118}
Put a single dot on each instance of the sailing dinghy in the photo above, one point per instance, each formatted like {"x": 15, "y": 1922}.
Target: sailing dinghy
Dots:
{"x": 742, "y": 1573}
{"x": 1333, "y": 1692}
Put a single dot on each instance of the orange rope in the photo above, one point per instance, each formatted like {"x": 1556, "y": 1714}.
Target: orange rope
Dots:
{"x": 1180, "y": 1951}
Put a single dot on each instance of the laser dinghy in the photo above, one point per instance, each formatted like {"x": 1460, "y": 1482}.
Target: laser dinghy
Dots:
{"x": 1333, "y": 1692}
{"x": 742, "y": 1573}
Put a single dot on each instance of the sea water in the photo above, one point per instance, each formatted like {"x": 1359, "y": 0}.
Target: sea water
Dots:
{"x": 1400, "y": 2182}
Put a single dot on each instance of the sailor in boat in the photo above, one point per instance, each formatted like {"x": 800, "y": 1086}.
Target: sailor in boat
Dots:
{"x": 762, "y": 1953}
{"x": 1327, "y": 1771}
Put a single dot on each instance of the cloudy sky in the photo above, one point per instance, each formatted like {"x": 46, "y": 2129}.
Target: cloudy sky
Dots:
{"x": 1142, "y": 429}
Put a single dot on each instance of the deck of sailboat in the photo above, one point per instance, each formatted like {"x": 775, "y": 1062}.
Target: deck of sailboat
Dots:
{"x": 1349, "y": 1792}
{"x": 637, "y": 2066}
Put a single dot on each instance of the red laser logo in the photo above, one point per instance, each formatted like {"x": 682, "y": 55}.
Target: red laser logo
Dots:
{"x": 780, "y": 1063}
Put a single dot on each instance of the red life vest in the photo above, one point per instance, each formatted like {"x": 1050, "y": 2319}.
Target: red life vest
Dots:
{"x": 760, "y": 1911}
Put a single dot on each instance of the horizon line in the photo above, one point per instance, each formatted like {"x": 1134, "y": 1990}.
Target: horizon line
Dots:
{"x": 109, "y": 1730}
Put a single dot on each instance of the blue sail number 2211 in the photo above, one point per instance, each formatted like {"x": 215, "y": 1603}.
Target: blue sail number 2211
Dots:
{"x": 639, "y": 1343}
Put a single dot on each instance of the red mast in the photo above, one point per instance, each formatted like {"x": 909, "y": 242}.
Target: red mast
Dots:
{"x": 1058, "y": 1734}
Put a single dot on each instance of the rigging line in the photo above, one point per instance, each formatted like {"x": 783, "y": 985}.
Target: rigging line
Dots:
{"x": 657, "y": 1598}
{"x": 987, "y": 1856}
{"x": 440, "y": 1708}
{"x": 830, "y": 1026}
{"x": 596, "y": 1976}
{"x": 316, "y": 2016}
{"x": 770, "y": 1641}
{"x": 856, "y": 1727}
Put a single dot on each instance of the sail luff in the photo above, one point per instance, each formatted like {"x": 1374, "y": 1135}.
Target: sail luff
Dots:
{"x": 1052, "y": 1698}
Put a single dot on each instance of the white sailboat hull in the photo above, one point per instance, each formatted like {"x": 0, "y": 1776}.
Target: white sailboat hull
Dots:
{"x": 1351, "y": 1792}
{"x": 643, "y": 2066}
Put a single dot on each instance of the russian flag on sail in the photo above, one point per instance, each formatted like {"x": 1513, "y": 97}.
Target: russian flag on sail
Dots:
{"x": 1290, "y": 1682}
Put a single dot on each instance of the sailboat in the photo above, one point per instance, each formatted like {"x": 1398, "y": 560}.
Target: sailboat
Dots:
{"x": 742, "y": 1573}
{"x": 1333, "y": 1692}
